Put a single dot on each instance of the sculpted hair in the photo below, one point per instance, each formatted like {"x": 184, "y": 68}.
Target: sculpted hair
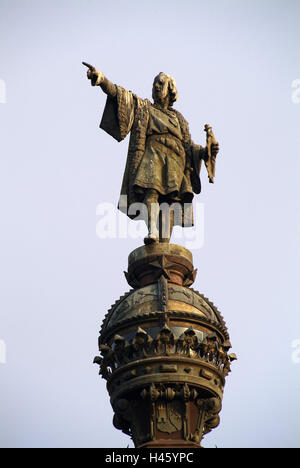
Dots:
{"x": 172, "y": 90}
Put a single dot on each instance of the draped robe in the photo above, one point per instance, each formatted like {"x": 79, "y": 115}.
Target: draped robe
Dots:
{"x": 161, "y": 154}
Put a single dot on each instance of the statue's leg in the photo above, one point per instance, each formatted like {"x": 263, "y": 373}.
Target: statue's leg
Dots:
{"x": 166, "y": 224}
{"x": 151, "y": 201}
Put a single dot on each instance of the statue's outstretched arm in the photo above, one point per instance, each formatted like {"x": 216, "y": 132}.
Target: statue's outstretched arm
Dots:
{"x": 98, "y": 79}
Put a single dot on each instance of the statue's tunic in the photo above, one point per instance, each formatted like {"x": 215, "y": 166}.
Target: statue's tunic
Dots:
{"x": 161, "y": 154}
{"x": 164, "y": 161}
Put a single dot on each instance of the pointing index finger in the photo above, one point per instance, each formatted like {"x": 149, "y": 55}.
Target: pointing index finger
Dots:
{"x": 89, "y": 66}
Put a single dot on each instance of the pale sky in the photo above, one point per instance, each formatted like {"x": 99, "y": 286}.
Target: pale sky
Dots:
{"x": 234, "y": 62}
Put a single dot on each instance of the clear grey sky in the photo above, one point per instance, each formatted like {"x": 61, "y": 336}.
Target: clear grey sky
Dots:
{"x": 234, "y": 62}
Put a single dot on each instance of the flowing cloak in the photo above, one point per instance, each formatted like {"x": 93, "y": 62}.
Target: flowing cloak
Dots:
{"x": 126, "y": 113}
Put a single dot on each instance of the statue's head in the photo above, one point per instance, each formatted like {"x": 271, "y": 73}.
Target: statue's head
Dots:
{"x": 164, "y": 86}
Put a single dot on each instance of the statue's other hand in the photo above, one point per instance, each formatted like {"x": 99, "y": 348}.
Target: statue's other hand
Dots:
{"x": 215, "y": 148}
{"x": 94, "y": 75}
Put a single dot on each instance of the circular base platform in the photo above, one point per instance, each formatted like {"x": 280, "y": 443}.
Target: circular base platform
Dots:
{"x": 148, "y": 263}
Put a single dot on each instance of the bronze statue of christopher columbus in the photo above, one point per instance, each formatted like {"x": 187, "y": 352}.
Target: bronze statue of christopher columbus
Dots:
{"x": 163, "y": 163}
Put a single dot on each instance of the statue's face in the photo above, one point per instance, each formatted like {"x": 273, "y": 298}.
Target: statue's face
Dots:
{"x": 160, "y": 90}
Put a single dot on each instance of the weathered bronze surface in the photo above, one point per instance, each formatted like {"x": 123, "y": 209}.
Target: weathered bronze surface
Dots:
{"x": 163, "y": 163}
{"x": 164, "y": 347}
{"x": 168, "y": 260}
{"x": 164, "y": 352}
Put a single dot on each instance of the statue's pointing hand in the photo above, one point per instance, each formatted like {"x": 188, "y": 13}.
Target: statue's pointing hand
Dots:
{"x": 94, "y": 75}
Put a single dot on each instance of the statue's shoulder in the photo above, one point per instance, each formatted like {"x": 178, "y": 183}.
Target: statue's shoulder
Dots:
{"x": 140, "y": 101}
{"x": 144, "y": 103}
{"x": 182, "y": 122}
{"x": 142, "y": 108}
{"x": 177, "y": 112}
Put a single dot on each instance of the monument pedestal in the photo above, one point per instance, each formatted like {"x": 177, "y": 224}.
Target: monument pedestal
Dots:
{"x": 164, "y": 352}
